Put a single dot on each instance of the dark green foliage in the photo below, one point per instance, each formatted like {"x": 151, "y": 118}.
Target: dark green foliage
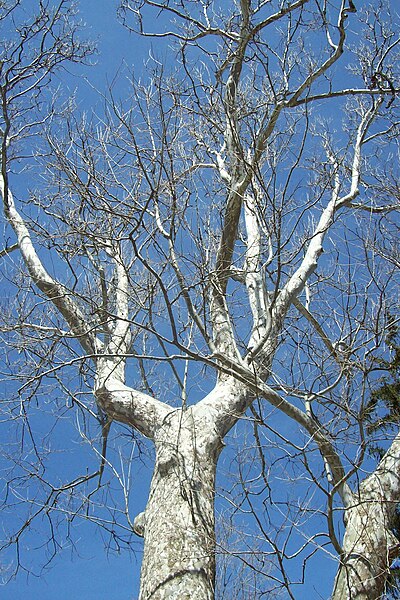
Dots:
{"x": 383, "y": 409}
{"x": 393, "y": 583}
{"x": 383, "y": 413}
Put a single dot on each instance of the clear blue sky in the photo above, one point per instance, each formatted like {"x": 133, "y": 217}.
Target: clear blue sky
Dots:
{"x": 88, "y": 572}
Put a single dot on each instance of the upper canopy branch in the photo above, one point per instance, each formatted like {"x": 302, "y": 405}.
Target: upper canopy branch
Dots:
{"x": 192, "y": 29}
{"x": 238, "y": 181}
{"x": 254, "y": 271}
{"x": 185, "y": 18}
{"x": 278, "y": 15}
{"x": 347, "y": 92}
{"x": 242, "y": 165}
{"x": 297, "y": 281}
{"x": 55, "y": 291}
{"x": 43, "y": 42}
{"x": 292, "y": 98}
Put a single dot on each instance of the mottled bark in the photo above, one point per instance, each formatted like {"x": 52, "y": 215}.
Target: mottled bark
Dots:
{"x": 178, "y": 524}
{"x": 369, "y": 544}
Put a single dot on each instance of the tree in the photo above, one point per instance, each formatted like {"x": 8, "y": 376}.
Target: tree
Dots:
{"x": 387, "y": 394}
{"x": 213, "y": 255}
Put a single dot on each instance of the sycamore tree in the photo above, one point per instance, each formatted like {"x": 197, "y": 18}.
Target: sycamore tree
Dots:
{"x": 203, "y": 270}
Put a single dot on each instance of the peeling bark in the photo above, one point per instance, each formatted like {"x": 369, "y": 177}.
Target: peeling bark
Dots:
{"x": 368, "y": 541}
{"x": 130, "y": 406}
{"x": 365, "y": 566}
{"x": 179, "y": 561}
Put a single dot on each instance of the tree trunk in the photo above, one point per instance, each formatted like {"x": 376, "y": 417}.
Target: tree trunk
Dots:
{"x": 369, "y": 546}
{"x": 366, "y": 551}
{"x": 178, "y": 523}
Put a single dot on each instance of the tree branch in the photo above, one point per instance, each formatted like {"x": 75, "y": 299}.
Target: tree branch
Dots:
{"x": 57, "y": 293}
{"x": 130, "y": 406}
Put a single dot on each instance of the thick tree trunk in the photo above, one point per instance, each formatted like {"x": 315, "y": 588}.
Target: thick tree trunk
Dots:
{"x": 366, "y": 551}
{"x": 364, "y": 569}
{"x": 369, "y": 545}
{"x": 178, "y": 523}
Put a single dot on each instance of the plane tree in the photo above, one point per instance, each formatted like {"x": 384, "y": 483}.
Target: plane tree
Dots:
{"x": 211, "y": 253}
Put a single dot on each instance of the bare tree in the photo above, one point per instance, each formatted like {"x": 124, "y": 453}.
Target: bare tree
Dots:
{"x": 214, "y": 256}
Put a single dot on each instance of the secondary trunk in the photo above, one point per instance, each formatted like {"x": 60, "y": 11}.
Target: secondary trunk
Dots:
{"x": 367, "y": 548}
{"x": 369, "y": 545}
{"x": 178, "y": 524}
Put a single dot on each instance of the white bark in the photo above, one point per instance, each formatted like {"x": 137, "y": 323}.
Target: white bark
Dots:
{"x": 56, "y": 292}
{"x": 128, "y": 405}
{"x": 369, "y": 542}
{"x": 254, "y": 274}
{"x": 178, "y": 523}
{"x": 178, "y": 561}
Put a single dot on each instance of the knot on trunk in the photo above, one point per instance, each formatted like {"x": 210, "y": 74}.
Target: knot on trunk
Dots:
{"x": 139, "y": 524}
{"x": 165, "y": 464}
{"x": 167, "y": 458}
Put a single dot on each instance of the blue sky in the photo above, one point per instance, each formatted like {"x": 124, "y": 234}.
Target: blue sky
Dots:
{"x": 88, "y": 571}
